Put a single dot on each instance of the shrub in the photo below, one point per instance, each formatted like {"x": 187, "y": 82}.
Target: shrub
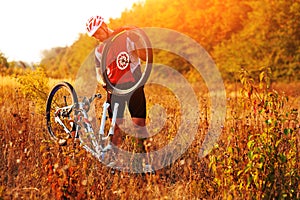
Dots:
{"x": 35, "y": 85}
{"x": 260, "y": 157}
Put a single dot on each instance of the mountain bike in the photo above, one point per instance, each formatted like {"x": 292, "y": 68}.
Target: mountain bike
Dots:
{"x": 67, "y": 116}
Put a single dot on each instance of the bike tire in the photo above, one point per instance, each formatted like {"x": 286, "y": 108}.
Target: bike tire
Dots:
{"x": 62, "y": 94}
{"x": 146, "y": 65}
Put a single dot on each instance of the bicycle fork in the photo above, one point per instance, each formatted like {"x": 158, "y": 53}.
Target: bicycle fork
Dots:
{"x": 112, "y": 126}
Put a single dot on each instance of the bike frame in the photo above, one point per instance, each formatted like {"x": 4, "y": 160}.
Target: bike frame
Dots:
{"x": 82, "y": 121}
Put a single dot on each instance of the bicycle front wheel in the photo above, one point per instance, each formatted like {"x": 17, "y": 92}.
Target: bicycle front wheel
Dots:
{"x": 60, "y": 111}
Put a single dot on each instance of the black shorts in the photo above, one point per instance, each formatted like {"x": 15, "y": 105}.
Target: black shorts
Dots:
{"x": 136, "y": 102}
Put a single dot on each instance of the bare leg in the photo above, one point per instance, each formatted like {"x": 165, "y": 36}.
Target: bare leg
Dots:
{"x": 117, "y": 138}
{"x": 140, "y": 125}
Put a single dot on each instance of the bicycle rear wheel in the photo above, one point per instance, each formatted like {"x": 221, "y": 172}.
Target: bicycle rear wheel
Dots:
{"x": 123, "y": 59}
{"x": 61, "y": 110}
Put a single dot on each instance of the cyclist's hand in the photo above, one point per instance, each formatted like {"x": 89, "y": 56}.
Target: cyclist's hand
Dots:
{"x": 104, "y": 86}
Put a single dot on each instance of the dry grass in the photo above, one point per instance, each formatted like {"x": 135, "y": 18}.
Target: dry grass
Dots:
{"x": 33, "y": 167}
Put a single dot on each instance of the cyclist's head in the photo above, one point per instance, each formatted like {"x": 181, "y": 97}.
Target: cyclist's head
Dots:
{"x": 93, "y": 24}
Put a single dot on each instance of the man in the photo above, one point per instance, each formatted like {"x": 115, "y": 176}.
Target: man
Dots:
{"x": 123, "y": 73}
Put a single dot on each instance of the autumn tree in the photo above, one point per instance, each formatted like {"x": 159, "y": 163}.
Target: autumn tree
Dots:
{"x": 63, "y": 62}
{"x": 3, "y": 63}
{"x": 270, "y": 39}
{"x": 238, "y": 34}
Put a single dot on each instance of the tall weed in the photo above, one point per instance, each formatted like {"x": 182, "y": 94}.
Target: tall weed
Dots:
{"x": 259, "y": 159}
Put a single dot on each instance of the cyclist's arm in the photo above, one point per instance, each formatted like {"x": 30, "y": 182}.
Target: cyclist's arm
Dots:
{"x": 98, "y": 57}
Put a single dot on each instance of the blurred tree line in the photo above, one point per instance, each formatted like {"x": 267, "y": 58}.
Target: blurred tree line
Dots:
{"x": 248, "y": 34}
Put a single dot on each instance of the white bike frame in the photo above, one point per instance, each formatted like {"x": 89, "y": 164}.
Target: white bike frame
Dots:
{"x": 97, "y": 149}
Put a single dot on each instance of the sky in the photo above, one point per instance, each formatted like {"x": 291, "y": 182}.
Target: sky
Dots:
{"x": 30, "y": 26}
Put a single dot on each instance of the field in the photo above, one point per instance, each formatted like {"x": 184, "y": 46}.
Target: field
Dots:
{"x": 256, "y": 157}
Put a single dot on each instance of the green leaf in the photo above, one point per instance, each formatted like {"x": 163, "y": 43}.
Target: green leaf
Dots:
{"x": 250, "y": 144}
{"x": 287, "y": 131}
{"x": 250, "y": 155}
{"x": 282, "y": 158}
{"x": 268, "y": 121}
{"x": 249, "y": 180}
{"x": 230, "y": 150}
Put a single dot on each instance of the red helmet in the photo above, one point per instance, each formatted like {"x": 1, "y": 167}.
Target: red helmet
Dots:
{"x": 93, "y": 24}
